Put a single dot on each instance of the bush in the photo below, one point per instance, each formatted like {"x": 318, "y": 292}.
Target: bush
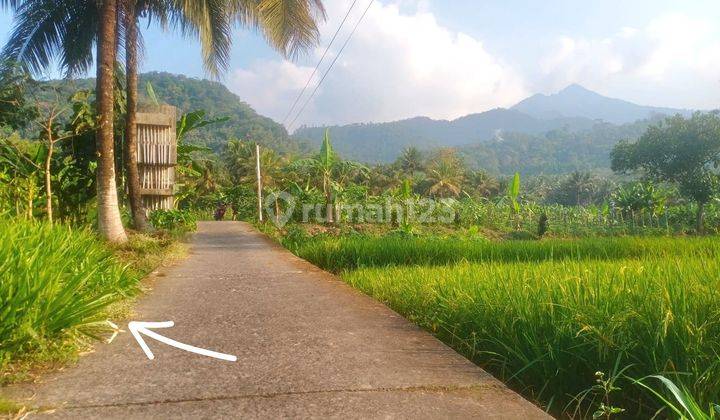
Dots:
{"x": 180, "y": 221}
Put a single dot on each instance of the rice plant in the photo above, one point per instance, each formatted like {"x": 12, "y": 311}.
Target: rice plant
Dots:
{"x": 336, "y": 254}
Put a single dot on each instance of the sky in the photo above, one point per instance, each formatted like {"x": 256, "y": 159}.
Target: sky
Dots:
{"x": 448, "y": 58}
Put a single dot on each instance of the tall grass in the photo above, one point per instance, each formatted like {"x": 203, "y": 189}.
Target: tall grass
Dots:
{"x": 548, "y": 327}
{"x": 336, "y": 254}
{"x": 53, "y": 281}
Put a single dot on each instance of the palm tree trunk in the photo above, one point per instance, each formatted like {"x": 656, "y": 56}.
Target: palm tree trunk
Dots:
{"x": 131, "y": 160}
{"x": 109, "y": 221}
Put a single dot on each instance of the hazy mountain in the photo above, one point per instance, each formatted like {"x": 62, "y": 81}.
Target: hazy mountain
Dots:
{"x": 572, "y": 110}
{"x": 383, "y": 142}
{"x": 576, "y": 101}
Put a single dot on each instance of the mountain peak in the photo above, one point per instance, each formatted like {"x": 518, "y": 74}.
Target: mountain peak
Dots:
{"x": 578, "y": 101}
{"x": 576, "y": 88}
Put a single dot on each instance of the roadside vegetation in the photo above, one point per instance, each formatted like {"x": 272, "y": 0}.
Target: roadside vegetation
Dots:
{"x": 62, "y": 288}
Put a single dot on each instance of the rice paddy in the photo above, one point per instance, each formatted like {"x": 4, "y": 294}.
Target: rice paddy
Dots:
{"x": 546, "y": 316}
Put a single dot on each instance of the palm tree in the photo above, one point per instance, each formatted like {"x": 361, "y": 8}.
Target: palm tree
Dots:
{"x": 410, "y": 161}
{"x": 239, "y": 160}
{"x": 483, "y": 184}
{"x": 289, "y": 26}
{"x": 131, "y": 83}
{"x": 446, "y": 174}
{"x": 109, "y": 220}
{"x": 579, "y": 184}
{"x": 68, "y": 29}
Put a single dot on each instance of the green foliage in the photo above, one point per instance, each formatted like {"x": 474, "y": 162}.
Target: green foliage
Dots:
{"x": 15, "y": 111}
{"x": 679, "y": 401}
{"x": 445, "y": 174}
{"x": 682, "y": 151}
{"x": 514, "y": 193}
{"x": 54, "y": 281}
{"x": 180, "y": 221}
{"x": 239, "y": 120}
{"x": 195, "y": 120}
{"x": 527, "y": 145}
{"x": 542, "y": 225}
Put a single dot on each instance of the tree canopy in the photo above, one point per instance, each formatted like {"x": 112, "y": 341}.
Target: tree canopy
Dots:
{"x": 679, "y": 150}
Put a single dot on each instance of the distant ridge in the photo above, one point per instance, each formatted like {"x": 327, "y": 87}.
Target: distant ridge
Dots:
{"x": 577, "y": 101}
{"x": 573, "y": 109}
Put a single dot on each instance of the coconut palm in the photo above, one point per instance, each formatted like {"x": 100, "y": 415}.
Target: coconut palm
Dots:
{"x": 67, "y": 29}
{"x": 482, "y": 184}
{"x": 445, "y": 175}
{"x": 239, "y": 157}
{"x": 579, "y": 185}
{"x": 410, "y": 161}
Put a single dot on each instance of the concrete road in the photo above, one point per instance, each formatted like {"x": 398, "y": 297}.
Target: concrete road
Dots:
{"x": 307, "y": 345}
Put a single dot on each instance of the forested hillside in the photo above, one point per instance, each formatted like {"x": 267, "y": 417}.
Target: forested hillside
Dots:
{"x": 244, "y": 123}
{"x": 383, "y": 142}
{"x": 559, "y": 151}
{"x": 190, "y": 94}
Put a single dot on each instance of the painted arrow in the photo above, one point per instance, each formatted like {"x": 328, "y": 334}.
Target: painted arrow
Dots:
{"x": 137, "y": 328}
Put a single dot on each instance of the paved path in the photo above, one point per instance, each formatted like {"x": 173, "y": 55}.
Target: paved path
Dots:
{"x": 307, "y": 344}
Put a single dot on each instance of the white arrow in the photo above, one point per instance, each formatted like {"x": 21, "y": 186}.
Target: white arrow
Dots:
{"x": 137, "y": 327}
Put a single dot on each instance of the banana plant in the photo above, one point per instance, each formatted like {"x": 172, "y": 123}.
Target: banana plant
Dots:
{"x": 514, "y": 192}
{"x": 514, "y": 196}
{"x": 330, "y": 170}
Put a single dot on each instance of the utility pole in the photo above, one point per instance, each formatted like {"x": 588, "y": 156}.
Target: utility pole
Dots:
{"x": 259, "y": 181}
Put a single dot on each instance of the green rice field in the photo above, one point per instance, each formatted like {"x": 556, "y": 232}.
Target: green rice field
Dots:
{"x": 546, "y": 316}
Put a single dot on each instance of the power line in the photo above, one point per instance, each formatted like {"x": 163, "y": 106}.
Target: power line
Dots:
{"x": 331, "y": 65}
{"x": 337, "y": 31}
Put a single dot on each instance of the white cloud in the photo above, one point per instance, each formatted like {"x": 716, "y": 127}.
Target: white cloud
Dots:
{"x": 400, "y": 63}
{"x": 673, "y": 59}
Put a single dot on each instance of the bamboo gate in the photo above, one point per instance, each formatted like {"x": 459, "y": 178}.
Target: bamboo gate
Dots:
{"x": 157, "y": 157}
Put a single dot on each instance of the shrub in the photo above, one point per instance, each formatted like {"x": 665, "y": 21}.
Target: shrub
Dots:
{"x": 173, "y": 220}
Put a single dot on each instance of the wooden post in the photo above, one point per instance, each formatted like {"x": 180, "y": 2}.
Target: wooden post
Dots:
{"x": 259, "y": 181}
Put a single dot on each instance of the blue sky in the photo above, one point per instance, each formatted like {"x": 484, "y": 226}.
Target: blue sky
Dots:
{"x": 447, "y": 58}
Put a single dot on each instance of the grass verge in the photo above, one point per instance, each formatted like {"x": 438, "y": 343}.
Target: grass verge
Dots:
{"x": 59, "y": 286}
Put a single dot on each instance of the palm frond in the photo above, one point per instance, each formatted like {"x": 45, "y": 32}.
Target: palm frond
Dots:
{"x": 47, "y": 30}
{"x": 289, "y": 26}
{"x": 210, "y": 22}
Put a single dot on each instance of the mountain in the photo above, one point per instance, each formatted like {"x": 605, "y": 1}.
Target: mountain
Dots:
{"x": 383, "y": 142}
{"x": 577, "y": 101}
{"x": 561, "y": 124}
{"x": 189, "y": 94}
